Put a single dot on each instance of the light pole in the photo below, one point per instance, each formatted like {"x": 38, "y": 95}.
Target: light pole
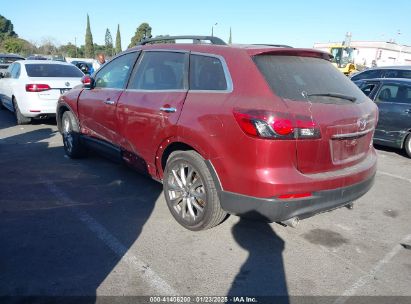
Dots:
{"x": 212, "y": 29}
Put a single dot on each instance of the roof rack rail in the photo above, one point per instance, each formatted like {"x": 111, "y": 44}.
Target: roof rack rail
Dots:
{"x": 275, "y": 45}
{"x": 195, "y": 39}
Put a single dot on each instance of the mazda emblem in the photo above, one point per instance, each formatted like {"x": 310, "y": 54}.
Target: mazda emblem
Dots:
{"x": 67, "y": 84}
{"x": 361, "y": 123}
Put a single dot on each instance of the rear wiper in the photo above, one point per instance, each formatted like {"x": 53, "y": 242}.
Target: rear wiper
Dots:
{"x": 337, "y": 95}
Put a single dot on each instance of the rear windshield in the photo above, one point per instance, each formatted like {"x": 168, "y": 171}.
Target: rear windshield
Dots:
{"x": 9, "y": 59}
{"x": 295, "y": 77}
{"x": 52, "y": 70}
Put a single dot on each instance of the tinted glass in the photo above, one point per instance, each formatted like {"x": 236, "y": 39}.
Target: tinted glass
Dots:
{"x": 391, "y": 74}
{"x": 395, "y": 93}
{"x": 52, "y": 70}
{"x": 405, "y": 74}
{"x": 160, "y": 71}
{"x": 206, "y": 73}
{"x": 114, "y": 75}
{"x": 15, "y": 73}
{"x": 367, "y": 75}
{"x": 9, "y": 59}
{"x": 294, "y": 77}
{"x": 367, "y": 88}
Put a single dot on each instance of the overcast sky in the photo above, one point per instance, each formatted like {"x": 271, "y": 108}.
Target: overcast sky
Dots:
{"x": 296, "y": 23}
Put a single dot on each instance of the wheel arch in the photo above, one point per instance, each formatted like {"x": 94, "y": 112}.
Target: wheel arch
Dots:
{"x": 59, "y": 114}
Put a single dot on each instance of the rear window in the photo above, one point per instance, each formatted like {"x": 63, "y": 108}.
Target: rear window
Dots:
{"x": 52, "y": 70}
{"x": 9, "y": 59}
{"x": 294, "y": 77}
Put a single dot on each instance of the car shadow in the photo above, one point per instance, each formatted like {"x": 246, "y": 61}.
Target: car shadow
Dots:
{"x": 66, "y": 224}
{"x": 391, "y": 150}
{"x": 262, "y": 274}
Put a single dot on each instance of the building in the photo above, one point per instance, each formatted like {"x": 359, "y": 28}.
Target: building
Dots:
{"x": 369, "y": 52}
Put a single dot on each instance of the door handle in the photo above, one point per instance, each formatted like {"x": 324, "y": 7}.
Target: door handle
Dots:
{"x": 109, "y": 102}
{"x": 168, "y": 110}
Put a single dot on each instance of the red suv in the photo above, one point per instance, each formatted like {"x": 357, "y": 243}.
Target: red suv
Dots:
{"x": 267, "y": 131}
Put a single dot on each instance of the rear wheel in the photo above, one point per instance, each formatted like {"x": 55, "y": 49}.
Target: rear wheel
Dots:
{"x": 20, "y": 119}
{"x": 73, "y": 146}
{"x": 190, "y": 191}
{"x": 407, "y": 145}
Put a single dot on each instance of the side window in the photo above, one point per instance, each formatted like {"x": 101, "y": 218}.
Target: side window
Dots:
{"x": 367, "y": 88}
{"x": 9, "y": 71}
{"x": 388, "y": 93}
{"x": 160, "y": 71}
{"x": 403, "y": 94}
{"x": 390, "y": 74}
{"x": 207, "y": 73}
{"x": 405, "y": 74}
{"x": 115, "y": 74}
{"x": 15, "y": 73}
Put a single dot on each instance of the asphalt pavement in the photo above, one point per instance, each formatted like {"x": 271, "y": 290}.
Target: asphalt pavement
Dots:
{"x": 95, "y": 228}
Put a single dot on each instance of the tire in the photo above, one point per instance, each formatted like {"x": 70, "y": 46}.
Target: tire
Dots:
{"x": 20, "y": 119}
{"x": 407, "y": 145}
{"x": 190, "y": 192}
{"x": 73, "y": 146}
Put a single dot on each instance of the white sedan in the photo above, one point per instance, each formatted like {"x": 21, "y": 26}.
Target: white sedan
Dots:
{"x": 31, "y": 88}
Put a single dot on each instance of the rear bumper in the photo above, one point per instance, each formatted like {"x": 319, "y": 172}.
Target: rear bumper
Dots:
{"x": 276, "y": 210}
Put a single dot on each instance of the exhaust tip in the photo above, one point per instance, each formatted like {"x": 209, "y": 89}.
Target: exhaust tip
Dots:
{"x": 292, "y": 222}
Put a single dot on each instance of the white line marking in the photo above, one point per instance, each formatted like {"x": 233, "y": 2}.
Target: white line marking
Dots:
{"x": 395, "y": 176}
{"x": 151, "y": 277}
{"x": 365, "y": 279}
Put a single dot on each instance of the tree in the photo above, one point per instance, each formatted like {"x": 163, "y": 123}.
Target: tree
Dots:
{"x": 109, "y": 43}
{"x": 118, "y": 40}
{"x": 89, "y": 47}
{"x": 142, "y": 32}
{"x": 18, "y": 46}
{"x": 230, "y": 39}
{"x": 6, "y": 29}
{"x": 69, "y": 50}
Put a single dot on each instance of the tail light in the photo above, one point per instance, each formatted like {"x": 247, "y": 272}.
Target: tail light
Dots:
{"x": 264, "y": 124}
{"x": 35, "y": 87}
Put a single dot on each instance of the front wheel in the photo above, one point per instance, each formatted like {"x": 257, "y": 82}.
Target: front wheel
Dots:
{"x": 407, "y": 145}
{"x": 190, "y": 192}
{"x": 73, "y": 146}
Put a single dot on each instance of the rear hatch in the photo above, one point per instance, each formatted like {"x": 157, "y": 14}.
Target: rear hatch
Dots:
{"x": 51, "y": 80}
{"x": 316, "y": 91}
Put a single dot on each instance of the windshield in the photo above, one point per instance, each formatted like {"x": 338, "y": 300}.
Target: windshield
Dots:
{"x": 300, "y": 78}
{"x": 342, "y": 56}
{"x": 53, "y": 70}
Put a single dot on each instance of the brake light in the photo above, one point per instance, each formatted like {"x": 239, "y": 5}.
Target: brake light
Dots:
{"x": 264, "y": 124}
{"x": 35, "y": 87}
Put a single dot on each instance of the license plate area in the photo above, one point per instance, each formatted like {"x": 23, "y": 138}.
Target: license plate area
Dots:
{"x": 62, "y": 91}
{"x": 348, "y": 149}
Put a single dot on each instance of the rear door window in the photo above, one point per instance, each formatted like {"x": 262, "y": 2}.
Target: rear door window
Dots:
{"x": 52, "y": 70}
{"x": 207, "y": 73}
{"x": 15, "y": 73}
{"x": 296, "y": 77}
{"x": 159, "y": 71}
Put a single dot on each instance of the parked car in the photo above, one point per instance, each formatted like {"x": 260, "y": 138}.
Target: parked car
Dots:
{"x": 31, "y": 88}
{"x": 393, "y": 98}
{"x": 36, "y": 57}
{"x": 383, "y": 72}
{"x": 85, "y": 67}
{"x": 6, "y": 60}
{"x": 274, "y": 133}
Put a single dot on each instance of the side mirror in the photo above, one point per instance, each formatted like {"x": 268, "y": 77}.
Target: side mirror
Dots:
{"x": 88, "y": 82}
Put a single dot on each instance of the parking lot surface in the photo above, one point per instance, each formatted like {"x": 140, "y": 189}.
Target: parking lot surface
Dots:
{"x": 93, "y": 227}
